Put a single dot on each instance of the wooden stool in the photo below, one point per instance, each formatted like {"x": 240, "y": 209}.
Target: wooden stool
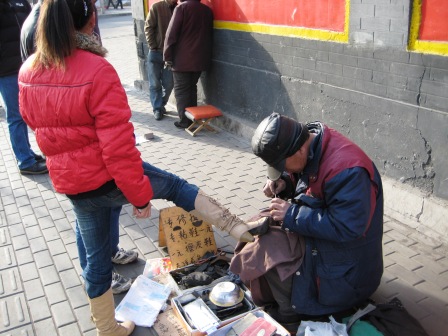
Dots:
{"x": 201, "y": 116}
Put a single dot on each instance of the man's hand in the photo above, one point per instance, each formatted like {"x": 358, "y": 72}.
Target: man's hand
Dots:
{"x": 168, "y": 65}
{"x": 142, "y": 213}
{"x": 273, "y": 188}
{"x": 278, "y": 208}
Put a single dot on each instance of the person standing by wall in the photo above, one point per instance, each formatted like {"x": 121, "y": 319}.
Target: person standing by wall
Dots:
{"x": 12, "y": 16}
{"x": 188, "y": 51}
{"x": 160, "y": 78}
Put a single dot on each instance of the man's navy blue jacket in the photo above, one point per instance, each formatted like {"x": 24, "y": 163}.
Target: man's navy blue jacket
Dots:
{"x": 339, "y": 211}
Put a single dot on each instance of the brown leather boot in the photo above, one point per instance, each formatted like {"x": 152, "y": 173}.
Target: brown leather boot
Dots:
{"x": 216, "y": 214}
{"x": 103, "y": 315}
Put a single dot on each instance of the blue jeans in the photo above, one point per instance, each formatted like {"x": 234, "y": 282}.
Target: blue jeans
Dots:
{"x": 160, "y": 80}
{"x": 94, "y": 220}
{"x": 18, "y": 130}
{"x": 114, "y": 236}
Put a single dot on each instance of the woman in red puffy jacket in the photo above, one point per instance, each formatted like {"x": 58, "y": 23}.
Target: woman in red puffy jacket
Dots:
{"x": 73, "y": 99}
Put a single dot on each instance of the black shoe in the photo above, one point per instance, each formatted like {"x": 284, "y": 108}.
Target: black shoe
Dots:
{"x": 178, "y": 124}
{"x": 35, "y": 169}
{"x": 158, "y": 115}
{"x": 39, "y": 158}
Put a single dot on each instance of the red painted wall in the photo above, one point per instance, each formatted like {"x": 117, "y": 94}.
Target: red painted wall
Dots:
{"x": 315, "y": 14}
{"x": 434, "y": 21}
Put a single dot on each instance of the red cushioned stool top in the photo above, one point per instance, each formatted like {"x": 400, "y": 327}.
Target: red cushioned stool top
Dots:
{"x": 204, "y": 111}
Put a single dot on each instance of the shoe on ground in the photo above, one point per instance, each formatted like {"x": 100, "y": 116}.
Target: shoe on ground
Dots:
{"x": 124, "y": 256}
{"x": 178, "y": 124}
{"x": 39, "y": 158}
{"x": 36, "y": 169}
{"x": 120, "y": 283}
{"x": 158, "y": 115}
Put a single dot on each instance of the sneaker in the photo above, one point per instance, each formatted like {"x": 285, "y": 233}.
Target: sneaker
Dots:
{"x": 158, "y": 115}
{"x": 120, "y": 283}
{"x": 35, "y": 169}
{"x": 124, "y": 257}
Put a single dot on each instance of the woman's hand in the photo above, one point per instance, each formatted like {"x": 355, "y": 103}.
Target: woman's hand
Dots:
{"x": 273, "y": 188}
{"x": 278, "y": 208}
{"x": 142, "y": 213}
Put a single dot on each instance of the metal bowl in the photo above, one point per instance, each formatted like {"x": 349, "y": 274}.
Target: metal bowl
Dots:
{"x": 226, "y": 294}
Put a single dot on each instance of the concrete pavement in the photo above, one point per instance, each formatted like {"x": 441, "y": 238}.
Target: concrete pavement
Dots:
{"x": 40, "y": 288}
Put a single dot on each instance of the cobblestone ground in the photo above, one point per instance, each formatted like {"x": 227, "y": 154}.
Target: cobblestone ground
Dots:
{"x": 40, "y": 287}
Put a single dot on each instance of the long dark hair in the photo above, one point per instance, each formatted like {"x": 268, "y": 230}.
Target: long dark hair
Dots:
{"x": 55, "y": 34}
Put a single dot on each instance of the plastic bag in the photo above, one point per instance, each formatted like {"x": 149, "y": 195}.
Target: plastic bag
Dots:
{"x": 332, "y": 328}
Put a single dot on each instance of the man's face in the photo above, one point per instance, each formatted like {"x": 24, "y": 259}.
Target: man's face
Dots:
{"x": 297, "y": 162}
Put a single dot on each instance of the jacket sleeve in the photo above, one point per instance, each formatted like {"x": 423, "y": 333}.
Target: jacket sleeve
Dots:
{"x": 344, "y": 214}
{"x": 109, "y": 106}
{"x": 151, "y": 28}
{"x": 172, "y": 34}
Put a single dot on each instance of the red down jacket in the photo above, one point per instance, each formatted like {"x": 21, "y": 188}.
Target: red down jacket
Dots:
{"x": 81, "y": 120}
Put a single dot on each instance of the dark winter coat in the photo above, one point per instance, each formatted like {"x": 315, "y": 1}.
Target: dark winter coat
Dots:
{"x": 189, "y": 38}
{"x": 340, "y": 214}
{"x": 12, "y": 15}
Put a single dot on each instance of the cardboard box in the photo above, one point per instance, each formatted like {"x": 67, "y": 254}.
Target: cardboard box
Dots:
{"x": 178, "y": 303}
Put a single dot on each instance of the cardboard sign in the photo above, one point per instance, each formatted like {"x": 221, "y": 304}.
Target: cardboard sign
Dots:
{"x": 168, "y": 324}
{"x": 187, "y": 237}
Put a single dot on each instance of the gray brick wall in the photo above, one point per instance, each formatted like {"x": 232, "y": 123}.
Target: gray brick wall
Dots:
{"x": 392, "y": 102}
{"x": 381, "y": 23}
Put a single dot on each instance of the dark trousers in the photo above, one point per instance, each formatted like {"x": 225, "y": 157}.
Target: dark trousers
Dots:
{"x": 185, "y": 92}
{"x": 281, "y": 291}
{"x": 108, "y": 4}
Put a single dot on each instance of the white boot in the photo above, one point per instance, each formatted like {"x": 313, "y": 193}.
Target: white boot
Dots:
{"x": 103, "y": 315}
{"x": 216, "y": 214}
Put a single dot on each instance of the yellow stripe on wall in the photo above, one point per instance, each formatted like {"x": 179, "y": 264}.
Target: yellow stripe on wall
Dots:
{"x": 425, "y": 47}
{"x": 314, "y": 34}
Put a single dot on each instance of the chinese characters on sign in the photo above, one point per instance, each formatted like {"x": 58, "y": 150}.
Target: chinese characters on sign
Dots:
{"x": 187, "y": 237}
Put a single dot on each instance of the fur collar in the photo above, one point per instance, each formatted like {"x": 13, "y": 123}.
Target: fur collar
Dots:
{"x": 90, "y": 43}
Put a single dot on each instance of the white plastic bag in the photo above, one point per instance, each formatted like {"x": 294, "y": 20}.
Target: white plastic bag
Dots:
{"x": 332, "y": 328}
{"x": 143, "y": 302}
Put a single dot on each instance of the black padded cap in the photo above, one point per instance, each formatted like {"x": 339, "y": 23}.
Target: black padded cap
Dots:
{"x": 277, "y": 138}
